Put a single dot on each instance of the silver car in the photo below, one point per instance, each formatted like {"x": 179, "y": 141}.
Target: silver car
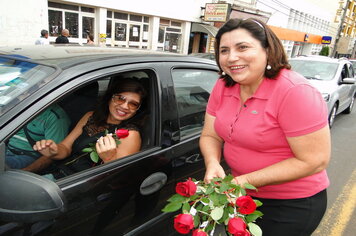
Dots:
{"x": 334, "y": 78}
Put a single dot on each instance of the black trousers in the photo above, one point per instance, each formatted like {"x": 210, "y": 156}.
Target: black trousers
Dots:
{"x": 292, "y": 217}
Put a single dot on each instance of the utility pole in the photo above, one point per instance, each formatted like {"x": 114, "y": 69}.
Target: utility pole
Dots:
{"x": 340, "y": 28}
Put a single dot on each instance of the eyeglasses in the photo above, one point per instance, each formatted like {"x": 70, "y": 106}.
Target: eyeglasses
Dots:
{"x": 119, "y": 99}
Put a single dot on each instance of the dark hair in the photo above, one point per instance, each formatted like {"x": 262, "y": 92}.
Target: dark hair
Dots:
{"x": 91, "y": 37}
{"x": 120, "y": 85}
{"x": 44, "y": 32}
{"x": 276, "y": 56}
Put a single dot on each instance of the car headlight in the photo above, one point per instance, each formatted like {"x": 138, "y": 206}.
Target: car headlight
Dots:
{"x": 326, "y": 96}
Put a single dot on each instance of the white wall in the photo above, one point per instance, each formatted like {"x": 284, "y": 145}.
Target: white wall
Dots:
{"x": 186, "y": 10}
{"x": 21, "y": 21}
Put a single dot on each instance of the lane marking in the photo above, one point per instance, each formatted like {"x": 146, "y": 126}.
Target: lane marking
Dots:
{"x": 337, "y": 217}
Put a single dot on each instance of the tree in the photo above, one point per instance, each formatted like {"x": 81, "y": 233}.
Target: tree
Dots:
{"x": 324, "y": 51}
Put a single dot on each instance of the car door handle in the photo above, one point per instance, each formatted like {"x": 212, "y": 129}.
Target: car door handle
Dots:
{"x": 193, "y": 158}
{"x": 153, "y": 183}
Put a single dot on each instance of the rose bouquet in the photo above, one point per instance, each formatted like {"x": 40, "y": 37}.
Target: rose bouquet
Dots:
{"x": 221, "y": 202}
{"x": 119, "y": 133}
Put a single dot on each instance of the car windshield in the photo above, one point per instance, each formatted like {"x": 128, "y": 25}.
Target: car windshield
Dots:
{"x": 319, "y": 70}
{"x": 18, "y": 79}
{"x": 353, "y": 64}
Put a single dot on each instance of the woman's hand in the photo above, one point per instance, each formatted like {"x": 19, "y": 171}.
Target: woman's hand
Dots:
{"x": 106, "y": 148}
{"x": 47, "y": 148}
{"x": 213, "y": 171}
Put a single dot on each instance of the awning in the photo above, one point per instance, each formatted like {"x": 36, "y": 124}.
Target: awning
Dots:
{"x": 205, "y": 28}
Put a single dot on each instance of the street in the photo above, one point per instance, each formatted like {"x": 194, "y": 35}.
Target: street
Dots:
{"x": 340, "y": 217}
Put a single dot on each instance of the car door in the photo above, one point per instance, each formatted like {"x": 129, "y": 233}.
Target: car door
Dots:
{"x": 345, "y": 90}
{"x": 123, "y": 197}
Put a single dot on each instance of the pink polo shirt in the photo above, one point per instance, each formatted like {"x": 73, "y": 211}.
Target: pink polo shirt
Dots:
{"x": 255, "y": 133}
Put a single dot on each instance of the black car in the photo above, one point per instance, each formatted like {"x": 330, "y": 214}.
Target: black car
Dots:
{"x": 123, "y": 197}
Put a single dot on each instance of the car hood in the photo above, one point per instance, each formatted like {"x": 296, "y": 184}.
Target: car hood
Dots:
{"x": 324, "y": 86}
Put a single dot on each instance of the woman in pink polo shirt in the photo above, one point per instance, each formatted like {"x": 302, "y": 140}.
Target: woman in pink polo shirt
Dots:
{"x": 272, "y": 126}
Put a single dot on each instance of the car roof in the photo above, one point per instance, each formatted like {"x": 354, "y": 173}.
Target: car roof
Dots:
{"x": 65, "y": 56}
{"x": 318, "y": 58}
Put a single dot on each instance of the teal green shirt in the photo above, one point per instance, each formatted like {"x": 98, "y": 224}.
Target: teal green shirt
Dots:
{"x": 53, "y": 124}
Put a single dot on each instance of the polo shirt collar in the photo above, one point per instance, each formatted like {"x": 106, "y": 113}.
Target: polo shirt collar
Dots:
{"x": 263, "y": 91}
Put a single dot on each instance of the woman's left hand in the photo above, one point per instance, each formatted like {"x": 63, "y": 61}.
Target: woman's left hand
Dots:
{"x": 241, "y": 180}
{"x": 106, "y": 148}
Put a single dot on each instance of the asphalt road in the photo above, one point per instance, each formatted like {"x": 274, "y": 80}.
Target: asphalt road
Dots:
{"x": 340, "y": 217}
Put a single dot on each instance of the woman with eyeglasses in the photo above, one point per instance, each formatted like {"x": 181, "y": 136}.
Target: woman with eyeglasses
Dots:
{"x": 117, "y": 109}
{"x": 271, "y": 126}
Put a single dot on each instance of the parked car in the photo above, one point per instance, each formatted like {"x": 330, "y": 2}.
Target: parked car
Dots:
{"x": 353, "y": 61}
{"x": 334, "y": 78}
{"x": 206, "y": 55}
{"x": 123, "y": 197}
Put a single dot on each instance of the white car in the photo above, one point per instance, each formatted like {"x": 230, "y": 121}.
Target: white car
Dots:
{"x": 334, "y": 78}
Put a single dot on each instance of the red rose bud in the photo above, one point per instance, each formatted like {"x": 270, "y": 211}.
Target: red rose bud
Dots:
{"x": 237, "y": 227}
{"x": 122, "y": 133}
{"x": 199, "y": 232}
{"x": 187, "y": 188}
{"x": 183, "y": 223}
{"x": 246, "y": 205}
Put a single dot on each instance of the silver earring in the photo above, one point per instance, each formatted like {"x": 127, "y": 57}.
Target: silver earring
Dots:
{"x": 268, "y": 67}
{"x": 223, "y": 73}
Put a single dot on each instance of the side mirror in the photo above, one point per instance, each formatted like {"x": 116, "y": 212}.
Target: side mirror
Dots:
{"x": 27, "y": 197}
{"x": 348, "y": 81}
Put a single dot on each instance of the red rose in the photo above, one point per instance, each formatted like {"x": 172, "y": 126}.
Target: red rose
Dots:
{"x": 183, "y": 223}
{"x": 199, "y": 232}
{"x": 122, "y": 133}
{"x": 237, "y": 227}
{"x": 187, "y": 188}
{"x": 246, "y": 205}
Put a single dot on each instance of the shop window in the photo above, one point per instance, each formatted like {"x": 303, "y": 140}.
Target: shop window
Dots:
{"x": 120, "y": 32}
{"x": 177, "y": 24}
{"x": 121, "y": 16}
{"x": 135, "y": 18}
{"x": 71, "y": 23}
{"x": 88, "y": 26}
{"x": 88, "y": 9}
{"x": 145, "y": 33}
{"x": 63, "y": 6}
{"x": 108, "y": 28}
{"x": 135, "y": 33}
{"x": 161, "y": 34}
{"x": 55, "y": 22}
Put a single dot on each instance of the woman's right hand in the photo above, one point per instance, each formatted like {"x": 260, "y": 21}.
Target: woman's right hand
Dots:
{"x": 213, "y": 171}
{"x": 46, "y": 147}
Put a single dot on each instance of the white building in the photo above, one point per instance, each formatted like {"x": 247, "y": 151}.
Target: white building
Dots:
{"x": 154, "y": 24}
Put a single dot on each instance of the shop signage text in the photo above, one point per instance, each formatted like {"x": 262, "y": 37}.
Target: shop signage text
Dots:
{"x": 216, "y": 12}
{"x": 326, "y": 40}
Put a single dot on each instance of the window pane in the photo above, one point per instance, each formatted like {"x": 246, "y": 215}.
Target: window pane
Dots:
{"x": 161, "y": 34}
{"x": 109, "y": 14}
{"x": 172, "y": 42}
{"x": 63, "y": 6}
{"x": 177, "y": 24}
{"x": 88, "y": 9}
{"x": 108, "y": 28}
{"x": 192, "y": 89}
{"x": 72, "y": 24}
{"x": 120, "y": 32}
{"x": 145, "y": 33}
{"x": 55, "y": 22}
{"x": 135, "y": 33}
{"x": 122, "y": 16}
{"x": 88, "y": 26}
{"x": 174, "y": 30}
{"x": 136, "y": 18}
{"x": 146, "y": 19}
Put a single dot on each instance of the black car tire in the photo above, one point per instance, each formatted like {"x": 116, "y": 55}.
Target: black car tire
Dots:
{"x": 349, "y": 109}
{"x": 332, "y": 115}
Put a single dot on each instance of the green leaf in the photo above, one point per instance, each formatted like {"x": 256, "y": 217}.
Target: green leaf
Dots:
{"x": 228, "y": 178}
{"x": 258, "y": 203}
{"x": 171, "y": 207}
{"x": 243, "y": 191}
{"x": 177, "y": 198}
{"x": 94, "y": 157}
{"x": 196, "y": 220}
{"x": 225, "y": 216}
{"x": 209, "y": 228}
{"x": 250, "y": 186}
{"x": 214, "y": 198}
{"x": 222, "y": 199}
{"x": 206, "y": 208}
{"x": 205, "y": 200}
{"x": 209, "y": 190}
{"x": 87, "y": 149}
{"x": 231, "y": 209}
{"x": 217, "y": 213}
{"x": 223, "y": 187}
{"x": 106, "y": 132}
{"x": 117, "y": 142}
{"x": 186, "y": 207}
{"x": 252, "y": 217}
{"x": 254, "y": 229}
